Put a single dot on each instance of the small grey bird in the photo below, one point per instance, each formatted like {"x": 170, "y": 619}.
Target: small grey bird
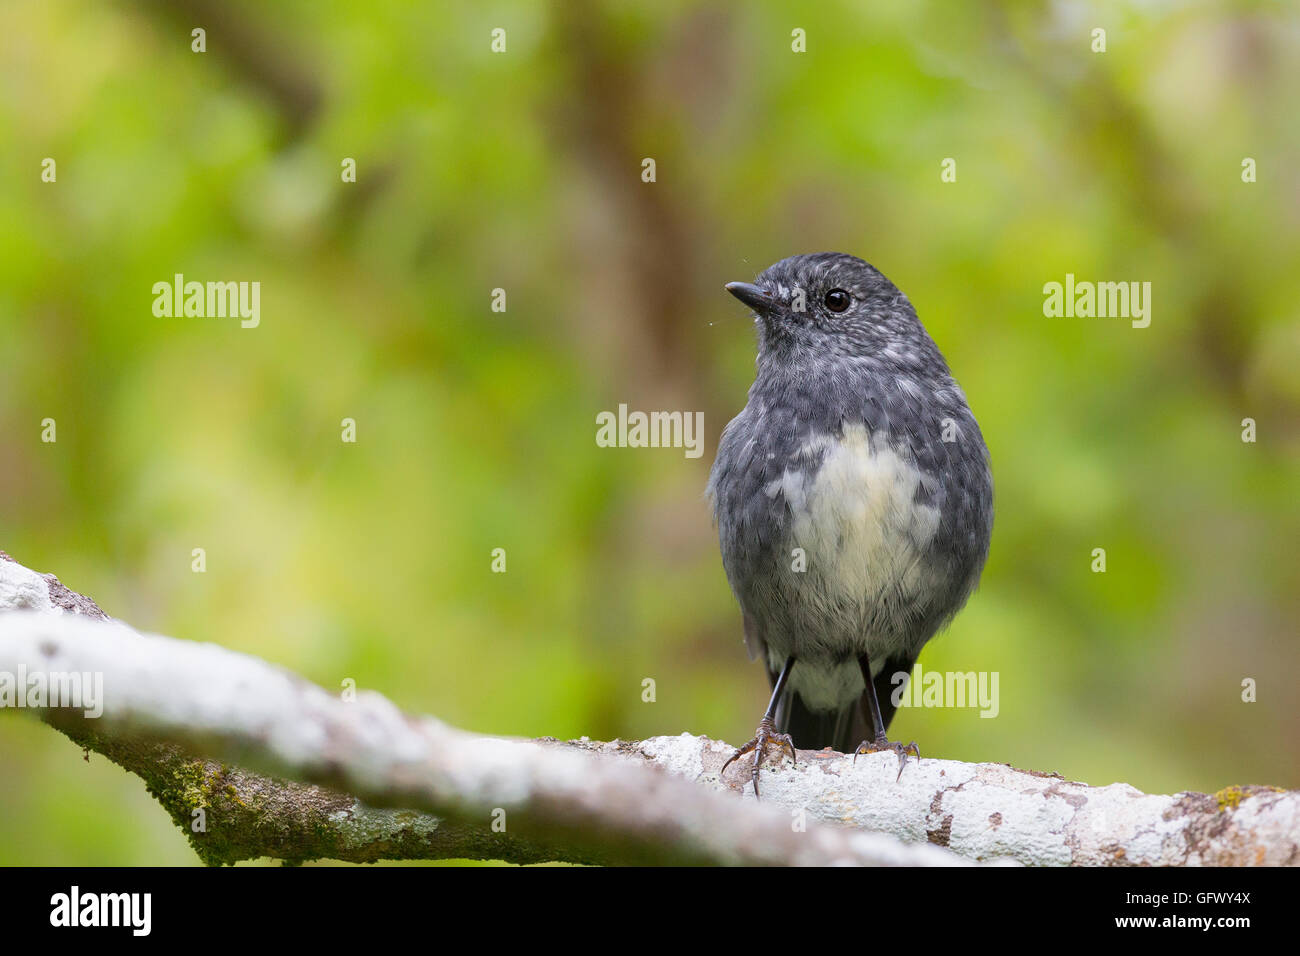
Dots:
{"x": 853, "y": 499}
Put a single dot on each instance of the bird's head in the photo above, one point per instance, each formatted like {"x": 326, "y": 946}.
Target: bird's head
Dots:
{"x": 829, "y": 306}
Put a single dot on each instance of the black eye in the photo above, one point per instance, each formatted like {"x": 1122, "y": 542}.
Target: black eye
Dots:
{"x": 837, "y": 300}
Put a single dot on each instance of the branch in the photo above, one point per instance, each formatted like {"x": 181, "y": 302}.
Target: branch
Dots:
{"x": 439, "y": 790}
{"x": 373, "y": 783}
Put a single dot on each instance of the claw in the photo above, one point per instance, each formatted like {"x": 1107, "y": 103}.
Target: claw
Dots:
{"x": 739, "y": 753}
{"x": 881, "y": 744}
{"x": 765, "y": 735}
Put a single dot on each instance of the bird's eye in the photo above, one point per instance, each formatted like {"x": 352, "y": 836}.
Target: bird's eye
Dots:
{"x": 837, "y": 300}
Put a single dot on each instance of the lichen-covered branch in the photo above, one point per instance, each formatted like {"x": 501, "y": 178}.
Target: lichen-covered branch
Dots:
{"x": 443, "y": 792}
{"x": 986, "y": 811}
{"x": 304, "y": 775}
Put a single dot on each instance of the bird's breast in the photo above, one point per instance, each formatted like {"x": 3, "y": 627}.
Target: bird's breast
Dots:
{"x": 860, "y": 512}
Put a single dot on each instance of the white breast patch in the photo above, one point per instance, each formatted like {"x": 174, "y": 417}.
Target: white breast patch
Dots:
{"x": 857, "y": 520}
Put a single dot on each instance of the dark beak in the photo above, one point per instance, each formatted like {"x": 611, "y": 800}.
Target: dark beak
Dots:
{"x": 756, "y": 297}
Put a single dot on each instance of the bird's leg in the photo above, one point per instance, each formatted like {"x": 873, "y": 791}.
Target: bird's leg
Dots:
{"x": 766, "y": 732}
{"x": 871, "y": 706}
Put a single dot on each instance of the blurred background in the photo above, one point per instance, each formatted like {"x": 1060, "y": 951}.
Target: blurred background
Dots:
{"x": 476, "y": 429}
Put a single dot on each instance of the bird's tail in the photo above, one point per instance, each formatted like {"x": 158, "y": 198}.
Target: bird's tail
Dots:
{"x": 840, "y": 730}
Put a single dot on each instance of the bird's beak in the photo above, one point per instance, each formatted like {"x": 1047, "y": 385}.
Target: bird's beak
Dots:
{"x": 756, "y": 297}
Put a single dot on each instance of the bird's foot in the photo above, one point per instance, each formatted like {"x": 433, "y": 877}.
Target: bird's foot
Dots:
{"x": 880, "y": 743}
{"x": 765, "y": 735}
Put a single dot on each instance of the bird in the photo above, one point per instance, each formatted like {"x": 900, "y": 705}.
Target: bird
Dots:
{"x": 853, "y": 498}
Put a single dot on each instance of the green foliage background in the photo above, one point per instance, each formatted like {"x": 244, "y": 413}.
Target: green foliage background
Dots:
{"x": 476, "y": 429}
